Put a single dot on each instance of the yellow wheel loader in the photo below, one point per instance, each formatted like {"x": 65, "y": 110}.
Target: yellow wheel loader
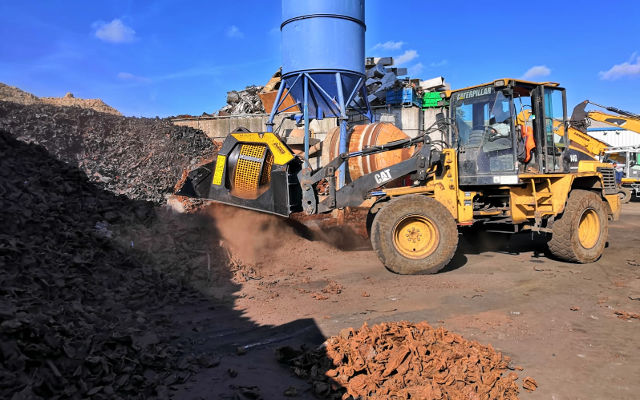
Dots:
{"x": 628, "y": 157}
{"x": 493, "y": 170}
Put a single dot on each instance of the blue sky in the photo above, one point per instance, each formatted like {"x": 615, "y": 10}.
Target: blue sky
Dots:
{"x": 149, "y": 58}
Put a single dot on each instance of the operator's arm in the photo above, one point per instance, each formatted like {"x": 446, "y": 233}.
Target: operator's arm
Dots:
{"x": 503, "y": 129}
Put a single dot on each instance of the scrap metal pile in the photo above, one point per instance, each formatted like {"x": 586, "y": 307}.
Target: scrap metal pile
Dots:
{"x": 401, "y": 360}
{"x": 80, "y": 315}
{"x": 382, "y": 77}
{"x": 244, "y": 101}
{"x": 141, "y": 158}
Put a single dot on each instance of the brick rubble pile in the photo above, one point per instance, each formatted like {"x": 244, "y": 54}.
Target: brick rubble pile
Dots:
{"x": 402, "y": 360}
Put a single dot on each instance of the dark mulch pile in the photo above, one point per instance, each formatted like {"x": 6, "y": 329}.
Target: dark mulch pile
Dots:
{"x": 141, "y": 158}
{"x": 80, "y": 316}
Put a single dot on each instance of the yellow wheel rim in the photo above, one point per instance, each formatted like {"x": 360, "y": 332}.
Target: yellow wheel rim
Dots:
{"x": 589, "y": 229}
{"x": 416, "y": 237}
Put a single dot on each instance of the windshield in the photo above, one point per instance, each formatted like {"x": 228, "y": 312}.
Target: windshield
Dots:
{"x": 483, "y": 118}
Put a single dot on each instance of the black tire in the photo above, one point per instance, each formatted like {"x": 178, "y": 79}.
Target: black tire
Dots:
{"x": 431, "y": 219}
{"x": 624, "y": 194}
{"x": 583, "y": 206}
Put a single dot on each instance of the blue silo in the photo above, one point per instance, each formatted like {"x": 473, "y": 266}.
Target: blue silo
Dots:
{"x": 322, "y": 35}
{"x": 323, "y": 61}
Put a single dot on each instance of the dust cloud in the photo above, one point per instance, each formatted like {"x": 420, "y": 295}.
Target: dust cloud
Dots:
{"x": 254, "y": 238}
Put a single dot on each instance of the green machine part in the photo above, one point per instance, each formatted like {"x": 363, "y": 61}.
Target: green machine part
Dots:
{"x": 433, "y": 100}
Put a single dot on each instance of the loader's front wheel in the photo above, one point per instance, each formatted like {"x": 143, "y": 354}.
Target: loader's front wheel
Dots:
{"x": 624, "y": 194}
{"x": 414, "y": 234}
{"x": 580, "y": 234}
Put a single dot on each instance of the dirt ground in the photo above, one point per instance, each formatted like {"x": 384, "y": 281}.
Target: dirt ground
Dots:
{"x": 556, "y": 320}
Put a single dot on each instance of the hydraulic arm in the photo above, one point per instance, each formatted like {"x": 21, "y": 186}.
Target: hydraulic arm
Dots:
{"x": 624, "y": 119}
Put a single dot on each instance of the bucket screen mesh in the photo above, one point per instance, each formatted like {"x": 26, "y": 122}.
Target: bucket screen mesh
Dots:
{"x": 252, "y": 170}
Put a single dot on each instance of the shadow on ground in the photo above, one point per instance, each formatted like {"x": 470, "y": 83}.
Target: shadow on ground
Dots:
{"x": 477, "y": 241}
{"x": 105, "y": 297}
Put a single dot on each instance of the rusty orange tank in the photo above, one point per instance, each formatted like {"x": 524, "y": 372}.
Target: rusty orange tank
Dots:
{"x": 362, "y": 136}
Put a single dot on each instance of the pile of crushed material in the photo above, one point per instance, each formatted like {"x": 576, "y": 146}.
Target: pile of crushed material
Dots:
{"x": 244, "y": 101}
{"x": 16, "y": 95}
{"x": 80, "y": 315}
{"x": 141, "y": 158}
{"x": 402, "y": 360}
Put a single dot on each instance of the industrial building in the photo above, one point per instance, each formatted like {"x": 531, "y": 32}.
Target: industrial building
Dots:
{"x": 613, "y": 136}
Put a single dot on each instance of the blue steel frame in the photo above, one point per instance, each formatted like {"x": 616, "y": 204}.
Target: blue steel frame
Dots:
{"x": 338, "y": 107}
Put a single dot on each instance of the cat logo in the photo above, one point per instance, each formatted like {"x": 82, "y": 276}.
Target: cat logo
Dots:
{"x": 383, "y": 176}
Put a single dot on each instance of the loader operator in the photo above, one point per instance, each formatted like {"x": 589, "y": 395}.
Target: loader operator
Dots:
{"x": 500, "y": 118}
{"x": 524, "y": 125}
{"x": 498, "y": 135}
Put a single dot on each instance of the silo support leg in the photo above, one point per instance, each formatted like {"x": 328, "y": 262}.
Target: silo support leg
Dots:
{"x": 342, "y": 147}
{"x": 306, "y": 121}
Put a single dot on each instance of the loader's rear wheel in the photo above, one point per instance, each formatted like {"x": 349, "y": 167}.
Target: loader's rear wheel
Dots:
{"x": 624, "y": 194}
{"x": 581, "y": 233}
{"x": 414, "y": 234}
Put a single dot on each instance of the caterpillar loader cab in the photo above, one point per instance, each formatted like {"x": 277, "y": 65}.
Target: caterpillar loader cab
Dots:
{"x": 493, "y": 124}
{"x": 499, "y": 168}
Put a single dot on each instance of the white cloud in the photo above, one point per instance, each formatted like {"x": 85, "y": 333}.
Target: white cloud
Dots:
{"x": 390, "y": 45}
{"x": 416, "y": 69}
{"x": 405, "y": 57}
{"x": 629, "y": 68}
{"x": 114, "y": 32}
{"x": 234, "y": 32}
{"x": 127, "y": 76}
{"x": 537, "y": 71}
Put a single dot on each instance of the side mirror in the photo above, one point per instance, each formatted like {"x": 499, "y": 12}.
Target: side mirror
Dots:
{"x": 440, "y": 120}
